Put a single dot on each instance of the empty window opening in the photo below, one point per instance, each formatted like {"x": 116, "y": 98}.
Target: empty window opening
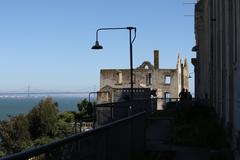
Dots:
{"x": 134, "y": 78}
{"x": 119, "y": 80}
{"x": 149, "y": 79}
{"x": 167, "y": 80}
{"x": 167, "y": 97}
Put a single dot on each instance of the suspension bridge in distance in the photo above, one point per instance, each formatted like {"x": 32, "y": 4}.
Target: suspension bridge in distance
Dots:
{"x": 43, "y": 93}
{"x": 26, "y": 91}
{"x": 34, "y": 93}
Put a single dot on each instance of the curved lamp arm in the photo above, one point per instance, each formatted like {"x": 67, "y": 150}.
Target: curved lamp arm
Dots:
{"x": 98, "y": 46}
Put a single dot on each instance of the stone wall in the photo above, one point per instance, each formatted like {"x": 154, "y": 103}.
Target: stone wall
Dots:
{"x": 167, "y": 82}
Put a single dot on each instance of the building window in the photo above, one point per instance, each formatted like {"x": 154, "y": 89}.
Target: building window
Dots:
{"x": 167, "y": 80}
{"x": 119, "y": 76}
{"x": 149, "y": 79}
{"x": 134, "y": 78}
{"x": 167, "y": 97}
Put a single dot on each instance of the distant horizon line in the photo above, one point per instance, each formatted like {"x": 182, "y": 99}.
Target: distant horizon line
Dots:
{"x": 45, "y": 92}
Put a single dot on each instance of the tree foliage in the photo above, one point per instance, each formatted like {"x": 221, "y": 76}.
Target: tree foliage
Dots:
{"x": 82, "y": 106}
{"x": 43, "y": 119}
{"x": 85, "y": 108}
{"x": 67, "y": 116}
{"x": 65, "y": 122}
{"x": 43, "y": 140}
{"x": 14, "y": 134}
{"x": 41, "y": 125}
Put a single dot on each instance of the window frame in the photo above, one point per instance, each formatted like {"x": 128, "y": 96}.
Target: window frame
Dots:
{"x": 167, "y": 79}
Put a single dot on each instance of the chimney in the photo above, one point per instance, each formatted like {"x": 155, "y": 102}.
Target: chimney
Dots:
{"x": 156, "y": 59}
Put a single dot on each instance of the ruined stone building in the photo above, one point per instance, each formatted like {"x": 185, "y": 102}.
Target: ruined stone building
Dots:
{"x": 167, "y": 82}
{"x": 217, "y": 62}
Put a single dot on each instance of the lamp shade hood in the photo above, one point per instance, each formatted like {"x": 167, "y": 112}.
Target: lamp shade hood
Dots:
{"x": 195, "y": 49}
{"x": 97, "y": 46}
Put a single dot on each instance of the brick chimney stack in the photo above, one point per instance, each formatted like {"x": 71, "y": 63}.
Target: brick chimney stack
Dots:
{"x": 156, "y": 59}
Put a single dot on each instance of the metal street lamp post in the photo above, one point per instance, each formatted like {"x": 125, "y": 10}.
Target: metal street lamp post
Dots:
{"x": 131, "y": 40}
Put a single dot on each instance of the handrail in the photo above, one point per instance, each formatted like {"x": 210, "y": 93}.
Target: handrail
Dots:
{"x": 135, "y": 100}
{"x": 45, "y": 148}
{"x": 122, "y": 102}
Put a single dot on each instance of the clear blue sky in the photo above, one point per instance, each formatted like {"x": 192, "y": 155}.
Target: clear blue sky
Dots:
{"x": 47, "y": 43}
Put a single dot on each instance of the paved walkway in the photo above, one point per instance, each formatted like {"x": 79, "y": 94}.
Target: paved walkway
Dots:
{"x": 158, "y": 134}
{"x": 158, "y": 138}
{"x": 192, "y": 154}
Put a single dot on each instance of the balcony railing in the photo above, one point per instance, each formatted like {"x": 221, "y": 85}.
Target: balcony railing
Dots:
{"x": 120, "y": 134}
{"x": 110, "y": 112}
{"x": 122, "y": 139}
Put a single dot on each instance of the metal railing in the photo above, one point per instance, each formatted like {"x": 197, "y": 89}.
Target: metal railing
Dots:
{"x": 119, "y": 135}
{"x": 110, "y": 112}
{"x": 163, "y": 103}
{"x": 122, "y": 139}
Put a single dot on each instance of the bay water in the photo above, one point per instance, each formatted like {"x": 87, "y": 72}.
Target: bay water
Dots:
{"x": 14, "y": 105}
